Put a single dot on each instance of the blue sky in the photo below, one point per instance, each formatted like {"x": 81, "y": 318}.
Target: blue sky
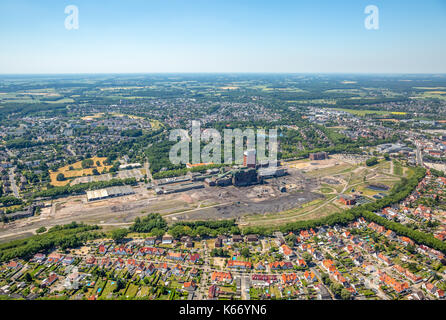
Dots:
{"x": 143, "y": 36}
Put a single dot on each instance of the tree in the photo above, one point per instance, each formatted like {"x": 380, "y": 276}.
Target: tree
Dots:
{"x": 202, "y": 231}
{"x": 371, "y": 162}
{"x": 410, "y": 248}
{"x": 60, "y": 177}
{"x": 28, "y": 277}
{"x": 119, "y": 234}
{"x": 41, "y": 230}
{"x": 234, "y": 230}
{"x": 307, "y": 257}
{"x": 245, "y": 252}
{"x": 325, "y": 278}
{"x": 290, "y": 239}
{"x": 149, "y": 223}
{"x": 345, "y": 294}
{"x": 87, "y": 163}
{"x": 157, "y": 232}
{"x": 120, "y": 284}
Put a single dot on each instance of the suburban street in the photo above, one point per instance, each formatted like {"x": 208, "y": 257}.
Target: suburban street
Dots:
{"x": 14, "y": 188}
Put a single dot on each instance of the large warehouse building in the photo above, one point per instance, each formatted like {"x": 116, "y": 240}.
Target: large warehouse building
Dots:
{"x": 109, "y": 193}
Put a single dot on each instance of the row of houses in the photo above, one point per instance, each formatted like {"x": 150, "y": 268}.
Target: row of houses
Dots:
{"x": 224, "y": 240}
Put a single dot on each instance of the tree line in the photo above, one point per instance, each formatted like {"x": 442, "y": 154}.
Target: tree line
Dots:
{"x": 64, "y": 237}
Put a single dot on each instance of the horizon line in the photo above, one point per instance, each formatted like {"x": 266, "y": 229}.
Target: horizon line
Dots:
{"x": 222, "y": 72}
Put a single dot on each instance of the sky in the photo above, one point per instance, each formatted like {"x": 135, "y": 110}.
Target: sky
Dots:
{"x": 175, "y": 36}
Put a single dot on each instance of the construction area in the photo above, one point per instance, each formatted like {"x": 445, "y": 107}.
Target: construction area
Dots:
{"x": 124, "y": 174}
{"x": 223, "y": 177}
{"x": 254, "y": 196}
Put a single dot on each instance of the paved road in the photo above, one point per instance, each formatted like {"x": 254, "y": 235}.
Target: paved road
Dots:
{"x": 419, "y": 156}
{"x": 201, "y": 294}
{"x": 245, "y": 286}
{"x": 149, "y": 174}
{"x": 14, "y": 188}
{"x": 317, "y": 274}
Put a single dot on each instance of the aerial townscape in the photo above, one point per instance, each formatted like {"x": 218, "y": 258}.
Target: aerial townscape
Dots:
{"x": 353, "y": 209}
{"x": 222, "y": 158}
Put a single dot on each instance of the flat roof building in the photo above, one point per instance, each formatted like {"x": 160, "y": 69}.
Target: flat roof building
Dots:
{"x": 111, "y": 192}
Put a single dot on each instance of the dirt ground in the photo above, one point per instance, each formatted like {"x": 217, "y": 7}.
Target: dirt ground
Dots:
{"x": 303, "y": 185}
{"x": 209, "y": 203}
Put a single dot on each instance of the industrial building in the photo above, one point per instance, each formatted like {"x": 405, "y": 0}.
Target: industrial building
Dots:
{"x": 179, "y": 188}
{"x": 393, "y": 148}
{"x": 268, "y": 163}
{"x": 347, "y": 200}
{"x": 244, "y": 177}
{"x": 224, "y": 179}
{"x": 249, "y": 158}
{"x": 271, "y": 172}
{"x": 166, "y": 181}
{"x": 111, "y": 192}
{"x": 319, "y": 156}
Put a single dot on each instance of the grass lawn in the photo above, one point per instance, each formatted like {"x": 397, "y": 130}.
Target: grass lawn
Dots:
{"x": 397, "y": 168}
{"x": 111, "y": 285}
{"x": 77, "y": 171}
{"x": 145, "y": 291}
{"x": 274, "y": 291}
{"x": 132, "y": 290}
{"x": 365, "y": 112}
{"x": 326, "y": 190}
{"x": 33, "y": 273}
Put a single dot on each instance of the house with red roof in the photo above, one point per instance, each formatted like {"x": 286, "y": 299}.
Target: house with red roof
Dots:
{"x": 281, "y": 265}
{"x": 54, "y": 258}
{"x": 177, "y": 256}
{"x": 290, "y": 278}
{"x": 14, "y": 265}
{"x": 90, "y": 261}
{"x": 287, "y": 252}
{"x": 49, "y": 281}
{"x": 263, "y": 280}
{"x": 189, "y": 286}
{"x": 221, "y": 277}
{"x": 102, "y": 249}
{"x": 194, "y": 257}
{"x": 163, "y": 267}
{"x": 310, "y": 276}
{"x": 236, "y": 264}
